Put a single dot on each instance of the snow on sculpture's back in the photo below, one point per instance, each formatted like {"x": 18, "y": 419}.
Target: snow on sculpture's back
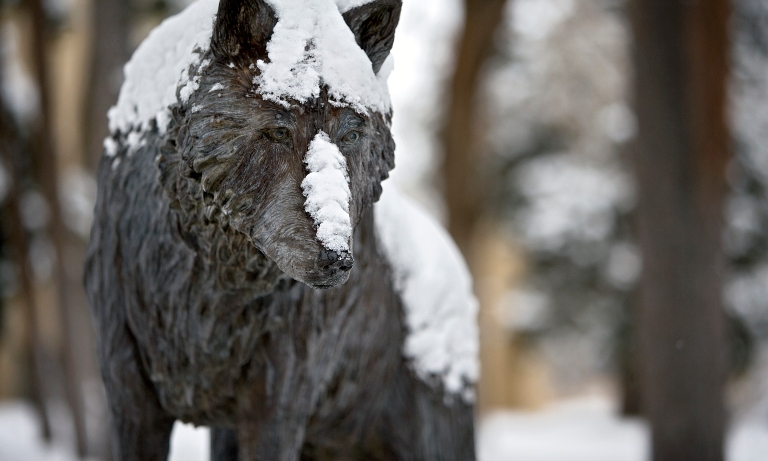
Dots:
{"x": 237, "y": 272}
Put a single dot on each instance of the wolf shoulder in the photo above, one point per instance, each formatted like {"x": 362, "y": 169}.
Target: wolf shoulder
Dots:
{"x": 436, "y": 289}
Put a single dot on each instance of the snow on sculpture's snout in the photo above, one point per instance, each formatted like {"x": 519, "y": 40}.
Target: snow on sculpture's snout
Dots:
{"x": 327, "y": 193}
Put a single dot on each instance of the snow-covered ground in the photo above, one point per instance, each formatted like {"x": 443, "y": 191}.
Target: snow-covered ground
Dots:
{"x": 575, "y": 430}
{"x": 20, "y": 440}
{"x": 588, "y": 430}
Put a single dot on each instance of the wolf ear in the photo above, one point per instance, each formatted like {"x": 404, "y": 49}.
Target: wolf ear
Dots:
{"x": 242, "y": 26}
{"x": 374, "y": 27}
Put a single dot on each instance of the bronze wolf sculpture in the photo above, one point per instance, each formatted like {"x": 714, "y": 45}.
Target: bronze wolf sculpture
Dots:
{"x": 237, "y": 283}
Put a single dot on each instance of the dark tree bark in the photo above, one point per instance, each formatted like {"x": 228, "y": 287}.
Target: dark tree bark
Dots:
{"x": 629, "y": 362}
{"x": 680, "y": 58}
{"x": 109, "y": 52}
{"x": 10, "y": 149}
{"x": 46, "y": 173}
{"x": 463, "y": 189}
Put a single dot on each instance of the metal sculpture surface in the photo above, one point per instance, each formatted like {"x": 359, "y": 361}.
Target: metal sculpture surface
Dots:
{"x": 217, "y": 297}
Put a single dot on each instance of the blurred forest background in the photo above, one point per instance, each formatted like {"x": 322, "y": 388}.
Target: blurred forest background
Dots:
{"x": 573, "y": 148}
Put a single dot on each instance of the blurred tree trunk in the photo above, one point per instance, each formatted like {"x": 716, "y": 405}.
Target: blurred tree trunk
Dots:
{"x": 681, "y": 66}
{"x": 463, "y": 189}
{"x": 46, "y": 172}
{"x": 109, "y": 52}
{"x": 630, "y": 363}
{"x": 10, "y": 151}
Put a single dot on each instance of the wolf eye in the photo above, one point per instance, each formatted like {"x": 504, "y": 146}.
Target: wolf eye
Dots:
{"x": 350, "y": 137}
{"x": 278, "y": 134}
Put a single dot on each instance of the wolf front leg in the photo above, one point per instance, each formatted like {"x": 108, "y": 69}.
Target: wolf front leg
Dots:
{"x": 270, "y": 439}
{"x": 257, "y": 444}
{"x": 271, "y": 426}
{"x": 424, "y": 425}
{"x": 446, "y": 432}
{"x": 141, "y": 430}
{"x": 223, "y": 444}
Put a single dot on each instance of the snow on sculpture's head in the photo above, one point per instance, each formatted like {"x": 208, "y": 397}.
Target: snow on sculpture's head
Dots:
{"x": 282, "y": 118}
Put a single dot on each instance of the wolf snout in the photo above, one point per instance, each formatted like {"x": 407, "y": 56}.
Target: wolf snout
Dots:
{"x": 333, "y": 262}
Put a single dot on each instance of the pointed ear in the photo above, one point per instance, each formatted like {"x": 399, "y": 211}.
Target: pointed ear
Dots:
{"x": 374, "y": 27}
{"x": 242, "y": 26}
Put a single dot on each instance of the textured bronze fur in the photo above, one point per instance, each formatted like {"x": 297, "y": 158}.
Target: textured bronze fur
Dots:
{"x": 204, "y": 276}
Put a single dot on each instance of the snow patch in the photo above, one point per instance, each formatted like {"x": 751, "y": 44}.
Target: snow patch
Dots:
{"x": 161, "y": 63}
{"x": 192, "y": 85}
{"x": 159, "y": 66}
{"x": 326, "y": 188}
{"x": 346, "y": 5}
{"x": 312, "y": 45}
{"x": 110, "y": 147}
{"x": 436, "y": 287}
{"x": 135, "y": 140}
{"x": 190, "y": 443}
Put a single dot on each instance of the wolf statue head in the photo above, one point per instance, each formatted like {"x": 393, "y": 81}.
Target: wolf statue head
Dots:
{"x": 281, "y": 119}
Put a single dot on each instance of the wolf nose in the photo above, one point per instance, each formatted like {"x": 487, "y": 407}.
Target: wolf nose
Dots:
{"x": 332, "y": 261}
